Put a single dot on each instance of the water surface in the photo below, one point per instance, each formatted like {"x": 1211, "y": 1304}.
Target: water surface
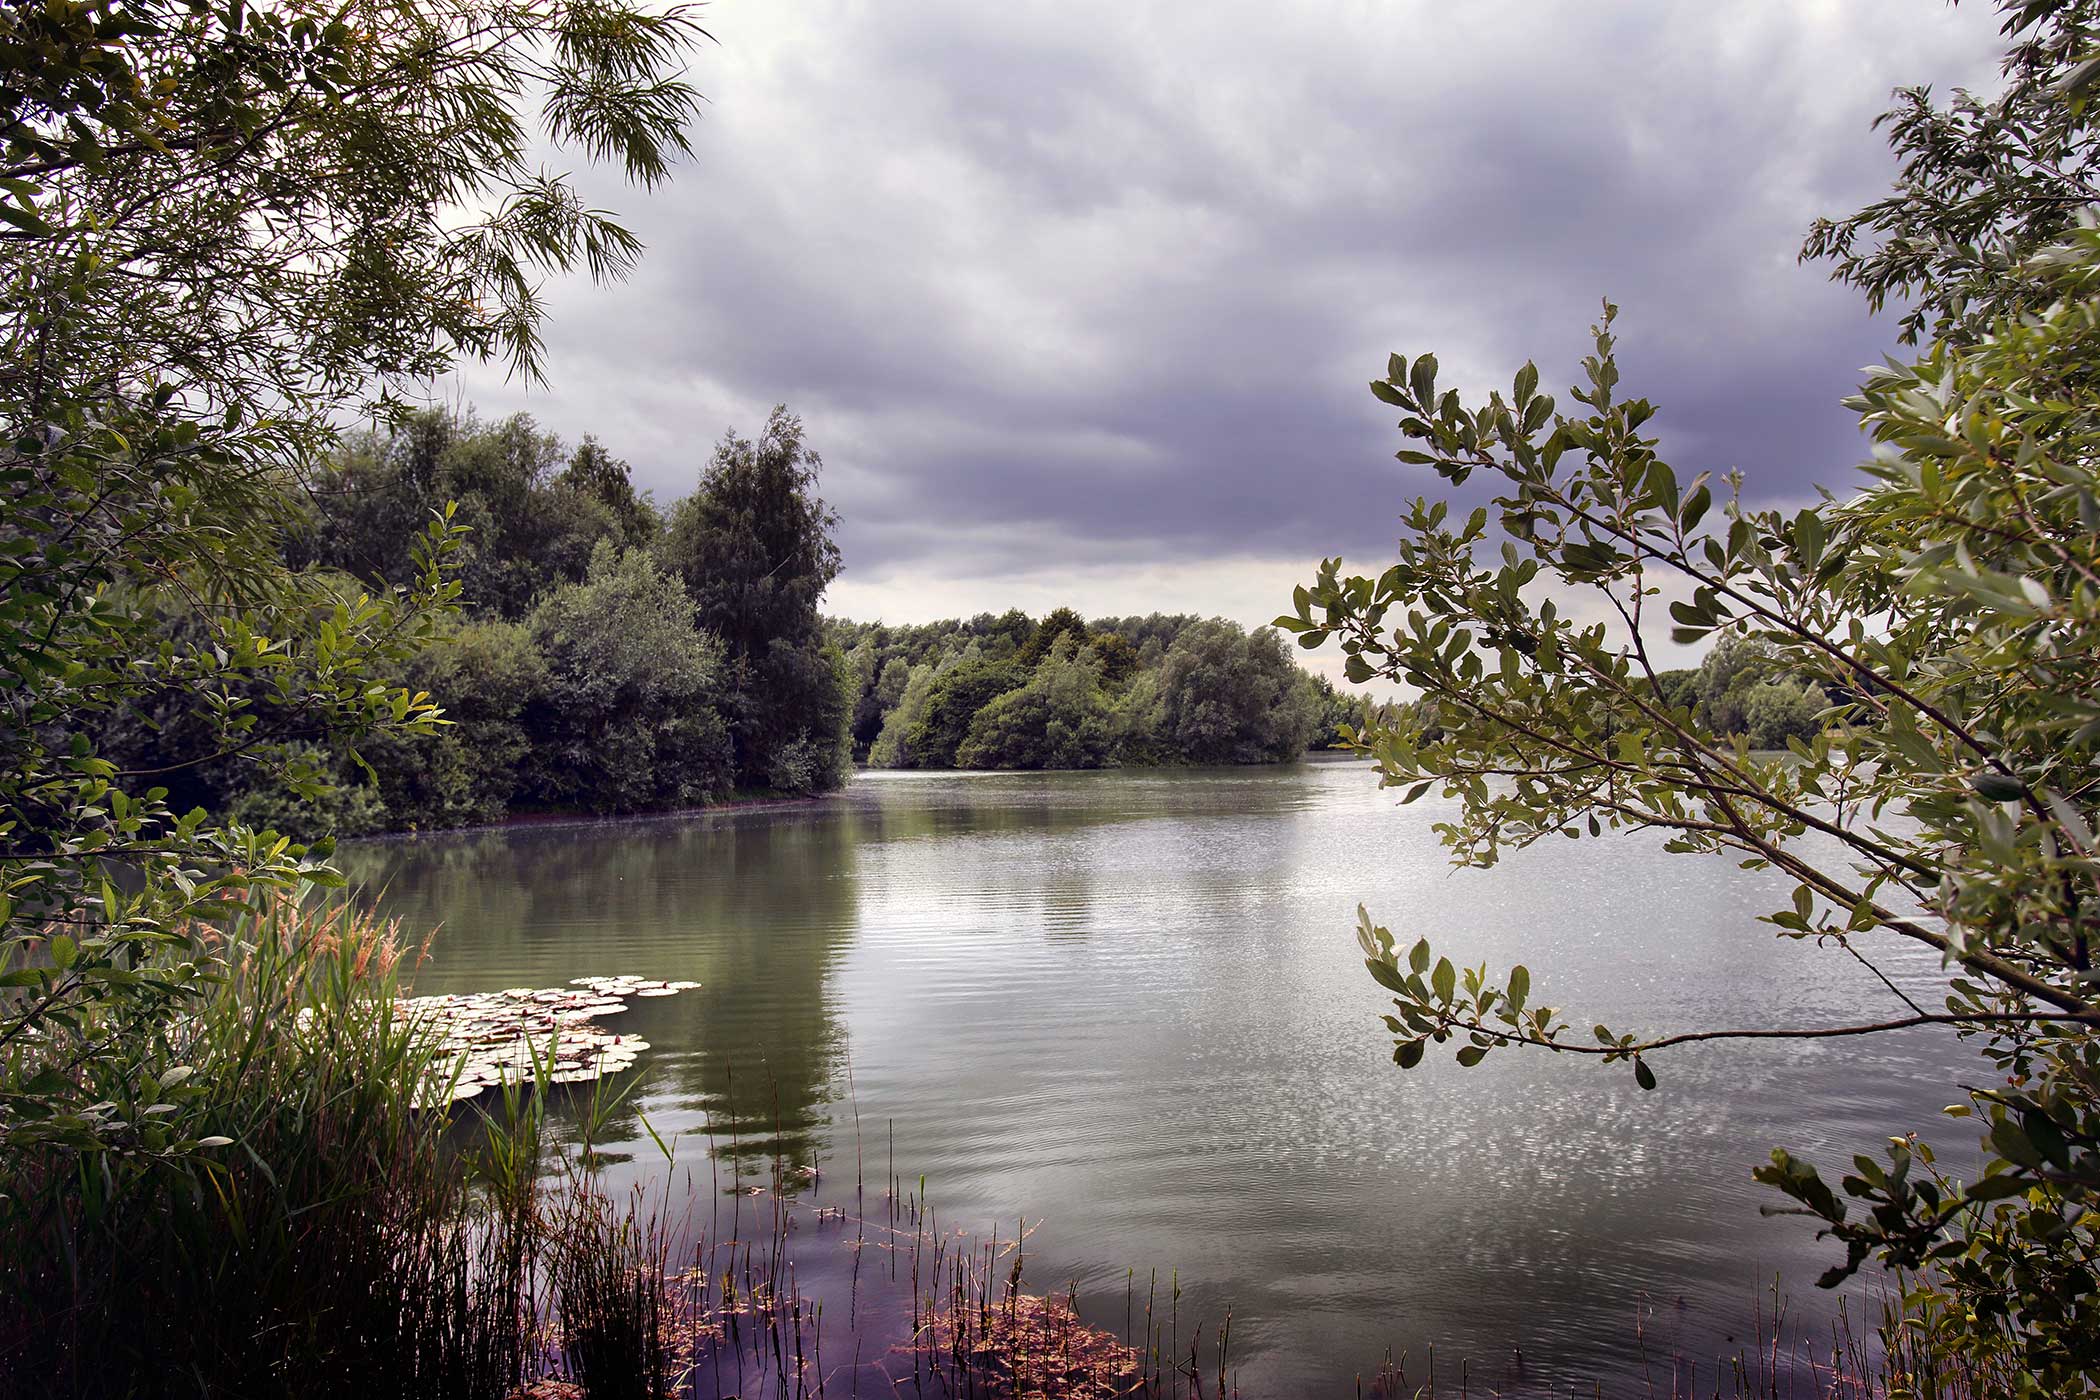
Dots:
{"x": 1128, "y": 1007}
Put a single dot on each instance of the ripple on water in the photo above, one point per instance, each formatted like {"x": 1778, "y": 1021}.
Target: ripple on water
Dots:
{"x": 1129, "y": 1006}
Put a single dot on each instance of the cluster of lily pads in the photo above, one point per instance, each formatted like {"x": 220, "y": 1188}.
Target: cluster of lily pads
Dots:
{"x": 518, "y": 1034}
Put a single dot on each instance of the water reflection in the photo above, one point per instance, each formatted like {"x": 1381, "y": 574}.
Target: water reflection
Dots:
{"x": 1127, "y": 1006}
{"x": 757, "y": 909}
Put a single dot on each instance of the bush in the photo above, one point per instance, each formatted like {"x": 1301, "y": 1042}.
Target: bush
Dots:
{"x": 486, "y": 675}
{"x": 957, "y": 695}
{"x": 1059, "y": 719}
{"x": 1778, "y": 710}
{"x": 626, "y": 720}
{"x": 1233, "y": 697}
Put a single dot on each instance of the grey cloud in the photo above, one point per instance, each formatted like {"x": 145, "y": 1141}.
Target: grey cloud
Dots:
{"x": 1087, "y": 280}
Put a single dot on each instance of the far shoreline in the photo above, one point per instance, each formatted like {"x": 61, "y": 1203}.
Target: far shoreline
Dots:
{"x": 775, "y": 802}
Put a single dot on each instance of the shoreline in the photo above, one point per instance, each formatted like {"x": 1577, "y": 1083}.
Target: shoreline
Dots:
{"x": 559, "y": 819}
{"x": 756, "y": 803}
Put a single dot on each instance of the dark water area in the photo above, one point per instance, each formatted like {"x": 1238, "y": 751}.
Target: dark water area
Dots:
{"x": 1128, "y": 1008}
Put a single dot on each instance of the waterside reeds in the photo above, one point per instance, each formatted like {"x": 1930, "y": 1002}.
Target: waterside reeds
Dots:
{"x": 319, "y": 1236}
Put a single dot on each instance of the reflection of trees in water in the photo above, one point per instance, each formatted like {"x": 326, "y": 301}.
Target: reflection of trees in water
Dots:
{"x": 780, "y": 904}
{"x": 756, "y": 907}
{"x": 1084, "y": 840}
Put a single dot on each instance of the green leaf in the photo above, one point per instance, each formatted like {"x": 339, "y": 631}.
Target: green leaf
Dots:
{"x": 1997, "y": 787}
{"x": 1996, "y": 1188}
{"x": 1386, "y": 975}
{"x": 24, "y": 218}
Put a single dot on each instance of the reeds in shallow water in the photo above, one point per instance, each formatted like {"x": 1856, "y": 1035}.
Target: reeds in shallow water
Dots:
{"x": 326, "y": 1239}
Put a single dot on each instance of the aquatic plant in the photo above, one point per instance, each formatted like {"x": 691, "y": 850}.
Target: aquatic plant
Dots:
{"x": 524, "y": 1034}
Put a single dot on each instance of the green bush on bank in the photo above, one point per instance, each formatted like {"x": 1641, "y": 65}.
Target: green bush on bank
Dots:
{"x": 603, "y": 659}
{"x": 1007, "y": 692}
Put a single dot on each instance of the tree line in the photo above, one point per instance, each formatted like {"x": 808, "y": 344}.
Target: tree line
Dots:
{"x": 1007, "y": 691}
{"x": 605, "y": 655}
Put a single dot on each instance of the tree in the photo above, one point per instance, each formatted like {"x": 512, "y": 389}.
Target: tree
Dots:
{"x": 956, "y": 696}
{"x": 880, "y": 698}
{"x": 1062, "y": 622}
{"x": 1779, "y": 711}
{"x": 598, "y": 475}
{"x": 1340, "y": 714}
{"x": 628, "y": 719}
{"x": 1984, "y": 183}
{"x": 1228, "y": 696}
{"x": 1727, "y": 675}
{"x": 226, "y": 227}
{"x": 1058, "y": 719}
{"x": 489, "y": 672}
{"x": 1953, "y": 603}
{"x": 280, "y": 206}
{"x": 754, "y": 547}
{"x": 531, "y": 522}
{"x": 893, "y": 747}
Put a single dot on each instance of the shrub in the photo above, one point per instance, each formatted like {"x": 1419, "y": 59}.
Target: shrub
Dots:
{"x": 626, "y": 719}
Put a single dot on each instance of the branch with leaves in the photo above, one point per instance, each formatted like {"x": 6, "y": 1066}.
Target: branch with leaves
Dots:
{"x": 1947, "y": 616}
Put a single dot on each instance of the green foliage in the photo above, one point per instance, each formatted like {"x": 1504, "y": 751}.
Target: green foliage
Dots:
{"x": 1779, "y": 713}
{"x": 536, "y": 515}
{"x": 892, "y": 747}
{"x": 1058, "y": 719}
{"x": 307, "y": 208}
{"x": 1985, "y": 182}
{"x": 1003, "y": 692}
{"x": 753, "y": 545}
{"x": 957, "y": 695}
{"x": 1928, "y": 647}
{"x": 1228, "y": 696}
{"x": 1061, "y": 623}
{"x": 490, "y": 673}
{"x": 627, "y": 719}
{"x": 807, "y": 738}
{"x": 1744, "y": 688}
{"x": 1341, "y": 715}
{"x": 532, "y": 521}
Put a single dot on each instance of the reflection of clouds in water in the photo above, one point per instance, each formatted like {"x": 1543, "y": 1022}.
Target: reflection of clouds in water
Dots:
{"x": 1128, "y": 1005}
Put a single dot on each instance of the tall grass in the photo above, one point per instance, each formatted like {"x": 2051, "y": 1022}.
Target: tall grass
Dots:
{"x": 328, "y": 1240}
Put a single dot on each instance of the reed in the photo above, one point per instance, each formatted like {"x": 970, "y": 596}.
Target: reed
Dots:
{"x": 296, "y": 1225}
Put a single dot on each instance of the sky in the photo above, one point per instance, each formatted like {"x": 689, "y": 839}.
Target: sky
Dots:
{"x": 1078, "y": 302}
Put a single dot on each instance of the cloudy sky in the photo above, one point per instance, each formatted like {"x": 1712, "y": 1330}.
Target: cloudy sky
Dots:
{"x": 1078, "y": 301}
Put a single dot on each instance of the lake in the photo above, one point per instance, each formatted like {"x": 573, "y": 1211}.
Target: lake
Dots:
{"x": 1129, "y": 1008}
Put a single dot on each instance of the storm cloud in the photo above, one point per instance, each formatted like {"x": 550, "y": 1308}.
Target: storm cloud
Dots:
{"x": 1078, "y": 301}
